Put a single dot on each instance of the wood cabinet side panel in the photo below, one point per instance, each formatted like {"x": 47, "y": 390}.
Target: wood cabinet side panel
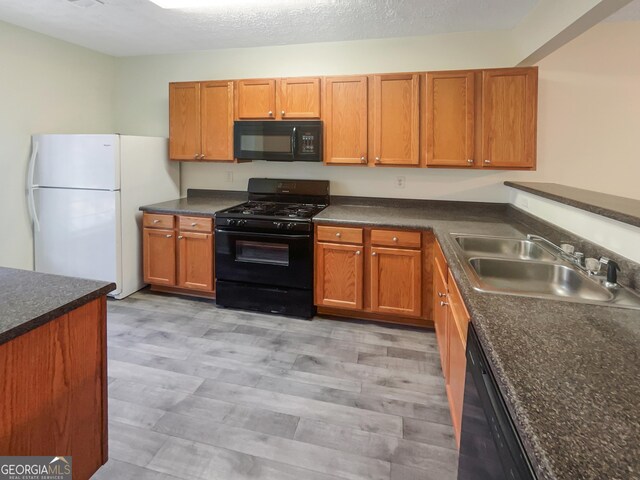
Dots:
{"x": 53, "y": 390}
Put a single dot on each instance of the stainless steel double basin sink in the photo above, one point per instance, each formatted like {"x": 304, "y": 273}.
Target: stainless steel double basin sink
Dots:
{"x": 523, "y": 267}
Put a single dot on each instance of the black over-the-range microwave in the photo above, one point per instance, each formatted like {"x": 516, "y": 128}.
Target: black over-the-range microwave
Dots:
{"x": 282, "y": 141}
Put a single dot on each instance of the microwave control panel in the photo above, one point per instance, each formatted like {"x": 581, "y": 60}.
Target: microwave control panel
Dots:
{"x": 308, "y": 143}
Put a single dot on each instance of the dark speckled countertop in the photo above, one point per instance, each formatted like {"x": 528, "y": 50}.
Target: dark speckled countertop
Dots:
{"x": 29, "y": 299}
{"x": 198, "y": 202}
{"x": 626, "y": 210}
{"x": 568, "y": 371}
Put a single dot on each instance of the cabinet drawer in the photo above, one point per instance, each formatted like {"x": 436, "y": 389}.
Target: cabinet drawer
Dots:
{"x": 395, "y": 238}
{"x": 155, "y": 220}
{"x": 339, "y": 234}
{"x": 440, "y": 260}
{"x": 195, "y": 224}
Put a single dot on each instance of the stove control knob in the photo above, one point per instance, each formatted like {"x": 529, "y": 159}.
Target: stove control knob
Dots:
{"x": 241, "y": 222}
{"x": 278, "y": 224}
{"x": 231, "y": 221}
{"x": 289, "y": 226}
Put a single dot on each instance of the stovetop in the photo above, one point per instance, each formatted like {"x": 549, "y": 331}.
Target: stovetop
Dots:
{"x": 274, "y": 210}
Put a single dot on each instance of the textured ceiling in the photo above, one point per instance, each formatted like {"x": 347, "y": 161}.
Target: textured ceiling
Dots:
{"x": 139, "y": 27}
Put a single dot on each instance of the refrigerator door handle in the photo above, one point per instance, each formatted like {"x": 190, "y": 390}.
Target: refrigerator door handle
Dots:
{"x": 30, "y": 186}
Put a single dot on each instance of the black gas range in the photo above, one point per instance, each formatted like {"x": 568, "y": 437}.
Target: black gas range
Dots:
{"x": 264, "y": 247}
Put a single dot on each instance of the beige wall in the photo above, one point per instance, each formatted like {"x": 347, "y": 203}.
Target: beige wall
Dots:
{"x": 48, "y": 86}
{"x": 589, "y": 111}
{"x": 588, "y": 108}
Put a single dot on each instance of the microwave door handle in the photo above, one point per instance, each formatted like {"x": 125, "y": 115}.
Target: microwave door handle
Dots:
{"x": 293, "y": 144}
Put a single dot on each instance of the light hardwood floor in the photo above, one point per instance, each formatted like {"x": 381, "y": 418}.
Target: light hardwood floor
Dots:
{"x": 200, "y": 392}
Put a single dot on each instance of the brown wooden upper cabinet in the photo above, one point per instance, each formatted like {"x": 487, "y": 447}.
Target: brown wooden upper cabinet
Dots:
{"x": 278, "y": 99}
{"x": 509, "y": 117}
{"x": 256, "y": 99}
{"x": 450, "y": 115}
{"x": 201, "y": 120}
{"x": 395, "y": 119}
{"x": 345, "y": 120}
{"x": 299, "y": 98}
{"x": 184, "y": 121}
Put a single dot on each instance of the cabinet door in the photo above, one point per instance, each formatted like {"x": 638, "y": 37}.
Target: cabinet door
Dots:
{"x": 195, "y": 261}
{"x": 450, "y": 121}
{"x": 217, "y": 120}
{"x": 159, "y": 256}
{"x": 184, "y": 121}
{"x": 509, "y": 114}
{"x": 345, "y": 120}
{"x": 396, "y": 115}
{"x": 299, "y": 98}
{"x": 440, "y": 317}
{"x": 456, "y": 377}
{"x": 256, "y": 98}
{"x": 458, "y": 321}
{"x": 396, "y": 281}
{"x": 339, "y": 270}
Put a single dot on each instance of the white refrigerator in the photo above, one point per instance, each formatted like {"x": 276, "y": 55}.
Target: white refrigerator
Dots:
{"x": 83, "y": 194}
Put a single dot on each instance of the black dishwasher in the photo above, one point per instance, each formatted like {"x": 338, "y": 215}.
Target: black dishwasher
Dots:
{"x": 490, "y": 448}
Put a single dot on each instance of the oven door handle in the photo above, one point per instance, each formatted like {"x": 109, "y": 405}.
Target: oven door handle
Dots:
{"x": 262, "y": 235}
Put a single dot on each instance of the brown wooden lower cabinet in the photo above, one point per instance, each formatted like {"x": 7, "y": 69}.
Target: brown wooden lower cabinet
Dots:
{"x": 396, "y": 281}
{"x": 451, "y": 321}
{"x": 159, "y": 247}
{"x": 195, "y": 260}
{"x": 440, "y": 316}
{"x": 339, "y": 273}
{"x": 53, "y": 390}
{"x": 180, "y": 259}
{"x": 372, "y": 273}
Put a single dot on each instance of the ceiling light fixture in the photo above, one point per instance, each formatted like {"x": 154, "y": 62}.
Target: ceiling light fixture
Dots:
{"x": 186, "y": 4}
{"x": 85, "y": 3}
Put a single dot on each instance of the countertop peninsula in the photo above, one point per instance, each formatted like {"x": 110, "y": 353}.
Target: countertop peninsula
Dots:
{"x": 30, "y": 299}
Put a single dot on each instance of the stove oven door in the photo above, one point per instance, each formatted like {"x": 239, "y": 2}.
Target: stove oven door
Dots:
{"x": 273, "y": 259}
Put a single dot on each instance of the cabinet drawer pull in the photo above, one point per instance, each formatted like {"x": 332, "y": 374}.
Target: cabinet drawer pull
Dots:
{"x": 487, "y": 162}
{"x": 363, "y": 159}
{"x": 270, "y": 113}
{"x": 168, "y": 236}
{"x": 338, "y": 234}
{"x": 357, "y": 252}
{"x": 470, "y": 161}
{"x": 180, "y": 237}
{"x": 395, "y": 239}
{"x": 440, "y": 294}
{"x": 373, "y": 254}
{"x": 282, "y": 113}
{"x": 442, "y": 304}
{"x": 156, "y": 221}
{"x": 196, "y": 156}
{"x": 377, "y": 159}
{"x": 194, "y": 224}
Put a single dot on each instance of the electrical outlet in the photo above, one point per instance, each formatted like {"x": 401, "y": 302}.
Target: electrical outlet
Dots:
{"x": 401, "y": 181}
{"x": 229, "y": 176}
